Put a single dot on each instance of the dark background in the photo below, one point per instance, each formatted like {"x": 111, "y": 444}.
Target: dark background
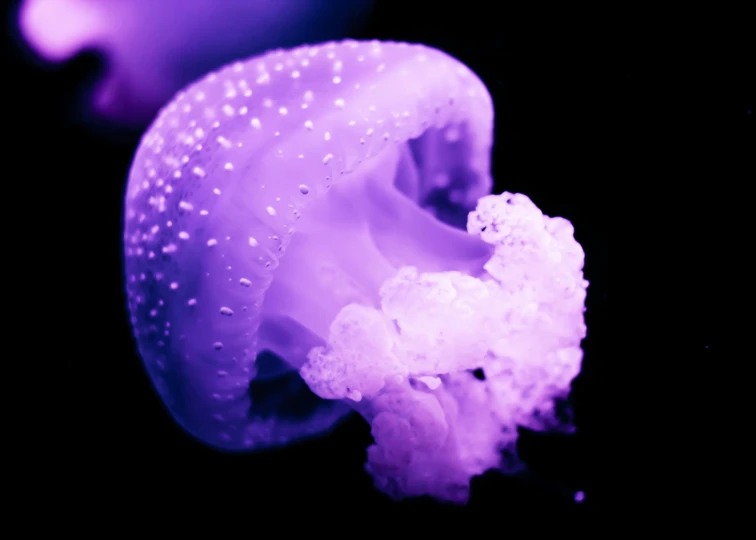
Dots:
{"x": 555, "y": 93}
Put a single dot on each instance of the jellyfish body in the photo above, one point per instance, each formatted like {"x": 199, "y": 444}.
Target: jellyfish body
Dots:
{"x": 309, "y": 206}
{"x": 153, "y": 49}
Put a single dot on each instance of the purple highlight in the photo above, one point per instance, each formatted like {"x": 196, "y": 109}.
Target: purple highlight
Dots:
{"x": 153, "y": 48}
{"x": 315, "y": 223}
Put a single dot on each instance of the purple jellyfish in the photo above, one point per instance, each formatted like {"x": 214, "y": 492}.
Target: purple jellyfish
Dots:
{"x": 153, "y": 48}
{"x": 315, "y": 222}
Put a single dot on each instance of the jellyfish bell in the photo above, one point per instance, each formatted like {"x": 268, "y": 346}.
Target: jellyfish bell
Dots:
{"x": 242, "y": 159}
{"x": 310, "y": 205}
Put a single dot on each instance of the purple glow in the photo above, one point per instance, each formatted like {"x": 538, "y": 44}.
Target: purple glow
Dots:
{"x": 155, "y": 47}
{"x": 377, "y": 155}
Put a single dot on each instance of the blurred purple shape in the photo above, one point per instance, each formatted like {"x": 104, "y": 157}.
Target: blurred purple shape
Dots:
{"x": 153, "y": 48}
{"x": 375, "y": 154}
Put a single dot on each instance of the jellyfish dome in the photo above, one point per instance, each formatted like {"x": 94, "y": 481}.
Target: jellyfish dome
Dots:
{"x": 315, "y": 225}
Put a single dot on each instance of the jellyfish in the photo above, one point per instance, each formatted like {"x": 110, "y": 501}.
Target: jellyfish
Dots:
{"x": 310, "y": 234}
{"x": 154, "y": 48}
